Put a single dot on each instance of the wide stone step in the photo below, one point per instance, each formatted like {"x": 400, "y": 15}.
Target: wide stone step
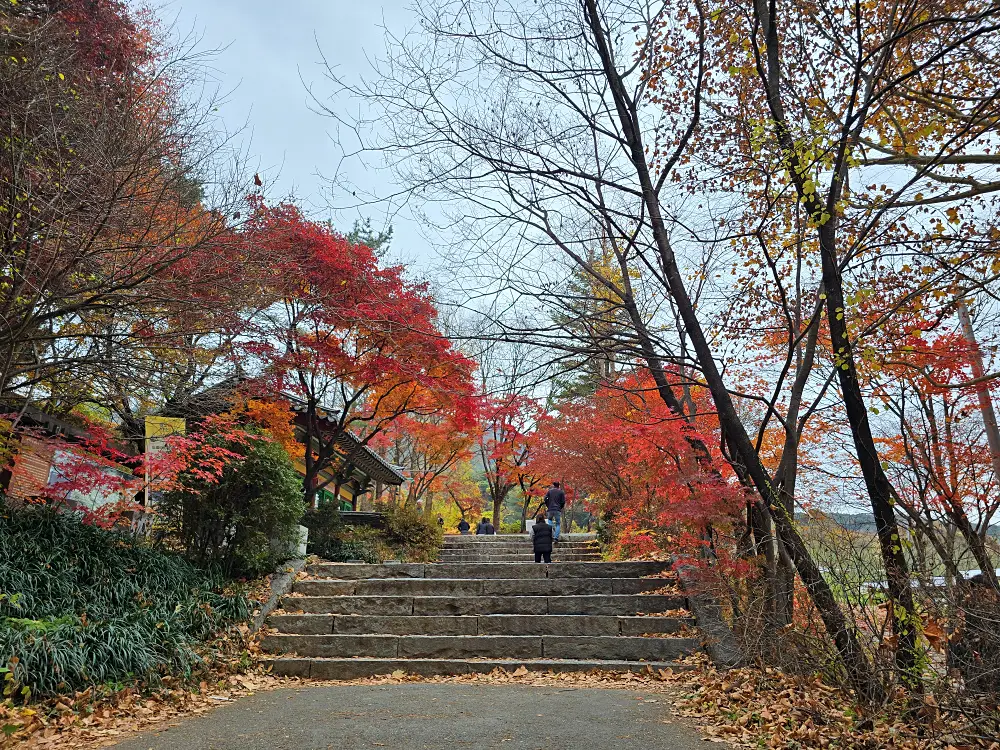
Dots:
{"x": 518, "y": 544}
{"x": 521, "y": 557}
{"x": 352, "y": 571}
{"x": 352, "y": 669}
{"x": 605, "y": 604}
{"x": 522, "y": 551}
{"x": 565, "y": 625}
{"x": 462, "y": 554}
{"x": 475, "y": 587}
{"x": 574, "y": 536}
{"x": 616, "y": 648}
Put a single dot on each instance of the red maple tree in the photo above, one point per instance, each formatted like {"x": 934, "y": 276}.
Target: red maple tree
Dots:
{"x": 633, "y": 459}
{"x": 354, "y": 344}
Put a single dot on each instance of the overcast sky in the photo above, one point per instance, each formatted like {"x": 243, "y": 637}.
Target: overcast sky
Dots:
{"x": 267, "y": 49}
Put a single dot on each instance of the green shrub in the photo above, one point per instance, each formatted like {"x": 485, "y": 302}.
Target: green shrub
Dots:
{"x": 84, "y": 606}
{"x": 415, "y": 536}
{"x": 408, "y": 536}
{"x": 246, "y": 523}
{"x": 507, "y": 527}
{"x": 604, "y": 526}
{"x": 332, "y": 540}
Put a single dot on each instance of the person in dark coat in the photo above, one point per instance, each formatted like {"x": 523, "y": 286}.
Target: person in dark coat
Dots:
{"x": 463, "y": 527}
{"x": 541, "y": 539}
{"x": 555, "y": 501}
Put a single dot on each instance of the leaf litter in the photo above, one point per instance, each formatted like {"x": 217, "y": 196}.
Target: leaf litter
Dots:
{"x": 742, "y": 708}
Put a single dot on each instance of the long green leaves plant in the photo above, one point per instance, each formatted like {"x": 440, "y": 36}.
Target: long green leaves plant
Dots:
{"x": 86, "y": 606}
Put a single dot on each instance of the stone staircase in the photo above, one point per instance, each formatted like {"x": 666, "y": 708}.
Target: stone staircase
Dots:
{"x": 345, "y": 621}
{"x": 516, "y": 548}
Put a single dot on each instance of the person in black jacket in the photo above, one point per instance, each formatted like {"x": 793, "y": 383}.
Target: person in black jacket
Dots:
{"x": 541, "y": 539}
{"x": 463, "y": 527}
{"x": 555, "y": 501}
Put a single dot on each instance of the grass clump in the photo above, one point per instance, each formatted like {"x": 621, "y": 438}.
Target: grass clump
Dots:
{"x": 83, "y": 606}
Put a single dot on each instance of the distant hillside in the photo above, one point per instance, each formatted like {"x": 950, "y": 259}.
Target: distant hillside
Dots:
{"x": 866, "y": 522}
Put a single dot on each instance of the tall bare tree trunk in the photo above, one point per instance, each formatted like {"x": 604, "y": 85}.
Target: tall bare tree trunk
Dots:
{"x": 992, "y": 434}
{"x": 844, "y": 635}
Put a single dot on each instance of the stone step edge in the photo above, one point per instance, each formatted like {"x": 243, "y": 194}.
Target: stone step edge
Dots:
{"x": 656, "y": 602}
{"x": 527, "y": 554}
{"x": 572, "y": 536}
{"x": 626, "y": 625}
{"x": 330, "y": 668}
{"x": 516, "y": 587}
{"x": 504, "y": 551}
{"x": 588, "y": 546}
{"x": 527, "y": 550}
{"x": 470, "y": 582}
{"x": 524, "y": 555}
{"x": 524, "y": 559}
{"x": 516, "y": 543}
{"x": 355, "y": 571}
{"x": 518, "y": 555}
{"x": 501, "y": 549}
{"x": 617, "y": 648}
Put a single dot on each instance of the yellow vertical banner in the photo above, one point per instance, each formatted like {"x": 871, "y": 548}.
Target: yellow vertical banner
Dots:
{"x": 158, "y": 430}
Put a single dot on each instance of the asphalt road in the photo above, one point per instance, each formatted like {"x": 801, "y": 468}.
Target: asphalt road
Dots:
{"x": 431, "y": 717}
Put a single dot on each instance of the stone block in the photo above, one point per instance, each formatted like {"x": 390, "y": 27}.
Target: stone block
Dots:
{"x": 566, "y": 625}
{"x": 353, "y": 669}
{"x": 302, "y": 624}
{"x": 420, "y": 587}
{"x": 480, "y": 605}
{"x": 611, "y": 605}
{"x": 406, "y": 625}
{"x": 486, "y": 570}
{"x": 466, "y": 647}
{"x": 353, "y": 572}
{"x": 289, "y": 666}
{"x": 354, "y": 605}
{"x": 618, "y": 649}
{"x": 547, "y": 586}
{"x": 325, "y": 588}
{"x": 332, "y": 645}
{"x": 638, "y": 625}
{"x": 636, "y": 585}
{"x": 606, "y": 569}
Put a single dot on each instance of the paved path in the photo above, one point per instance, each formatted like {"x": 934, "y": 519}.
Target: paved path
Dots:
{"x": 431, "y": 717}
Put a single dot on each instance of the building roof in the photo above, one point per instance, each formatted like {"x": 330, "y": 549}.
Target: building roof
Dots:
{"x": 370, "y": 462}
{"x": 42, "y": 422}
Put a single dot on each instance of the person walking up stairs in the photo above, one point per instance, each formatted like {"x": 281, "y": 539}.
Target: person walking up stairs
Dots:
{"x": 555, "y": 502}
{"x": 541, "y": 539}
